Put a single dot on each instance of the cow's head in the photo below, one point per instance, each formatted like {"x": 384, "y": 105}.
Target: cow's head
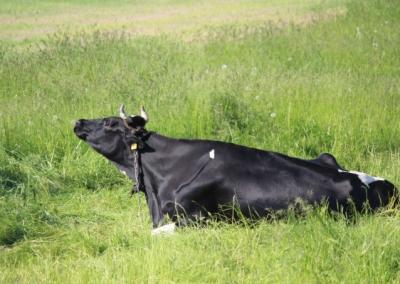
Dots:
{"x": 111, "y": 136}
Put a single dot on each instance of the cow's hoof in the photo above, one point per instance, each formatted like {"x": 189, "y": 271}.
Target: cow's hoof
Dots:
{"x": 168, "y": 229}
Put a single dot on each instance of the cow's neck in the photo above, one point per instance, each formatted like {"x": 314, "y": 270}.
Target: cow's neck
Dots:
{"x": 123, "y": 160}
{"x": 152, "y": 157}
{"x": 161, "y": 158}
{"x": 158, "y": 154}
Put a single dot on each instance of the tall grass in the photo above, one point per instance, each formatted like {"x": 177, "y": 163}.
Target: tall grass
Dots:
{"x": 330, "y": 87}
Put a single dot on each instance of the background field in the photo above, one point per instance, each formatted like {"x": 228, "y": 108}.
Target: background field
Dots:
{"x": 297, "y": 77}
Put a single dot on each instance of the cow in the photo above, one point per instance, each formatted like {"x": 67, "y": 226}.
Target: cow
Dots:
{"x": 186, "y": 179}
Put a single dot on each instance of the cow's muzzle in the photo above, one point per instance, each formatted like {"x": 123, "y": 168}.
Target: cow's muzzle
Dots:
{"x": 79, "y": 129}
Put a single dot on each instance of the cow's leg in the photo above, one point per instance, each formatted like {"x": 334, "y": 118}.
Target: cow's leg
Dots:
{"x": 158, "y": 228}
{"x": 194, "y": 203}
{"x": 154, "y": 208}
{"x": 167, "y": 229}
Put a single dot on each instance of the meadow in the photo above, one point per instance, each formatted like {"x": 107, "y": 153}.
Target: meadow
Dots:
{"x": 296, "y": 77}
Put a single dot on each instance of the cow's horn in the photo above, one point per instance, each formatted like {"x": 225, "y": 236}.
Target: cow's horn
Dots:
{"x": 122, "y": 113}
{"x": 144, "y": 114}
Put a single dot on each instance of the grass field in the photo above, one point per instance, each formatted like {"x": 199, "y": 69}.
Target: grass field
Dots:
{"x": 297, "y": 77}
{"x": 27, "y": 21}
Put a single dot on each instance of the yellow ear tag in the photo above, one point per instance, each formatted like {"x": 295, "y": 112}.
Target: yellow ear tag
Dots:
{"x": 134, "y": 146}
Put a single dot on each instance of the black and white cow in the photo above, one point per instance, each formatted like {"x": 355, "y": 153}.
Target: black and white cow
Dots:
{"x": 195, "y": 178}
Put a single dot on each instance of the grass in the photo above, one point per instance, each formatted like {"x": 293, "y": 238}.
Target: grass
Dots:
{"x": 333, "y": 85}
{"x": 26, "y": 21}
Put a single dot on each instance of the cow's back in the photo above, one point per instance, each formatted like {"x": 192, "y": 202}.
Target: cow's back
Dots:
{"x": 270, "y": 181}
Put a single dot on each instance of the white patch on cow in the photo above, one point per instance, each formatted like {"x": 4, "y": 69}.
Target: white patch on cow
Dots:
{"x": 365, "y": 179}
{"x": 168, "y": 229}
{"x": 212, "y": 154}
{"x": 123, "y": 172}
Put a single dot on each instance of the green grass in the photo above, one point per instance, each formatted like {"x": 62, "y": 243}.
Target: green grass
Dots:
{"x": 25, "y": 21}
{"x": 334, "y": 85}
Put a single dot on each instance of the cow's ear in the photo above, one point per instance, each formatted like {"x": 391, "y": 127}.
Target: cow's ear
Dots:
{"x": 136, "y": 121}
